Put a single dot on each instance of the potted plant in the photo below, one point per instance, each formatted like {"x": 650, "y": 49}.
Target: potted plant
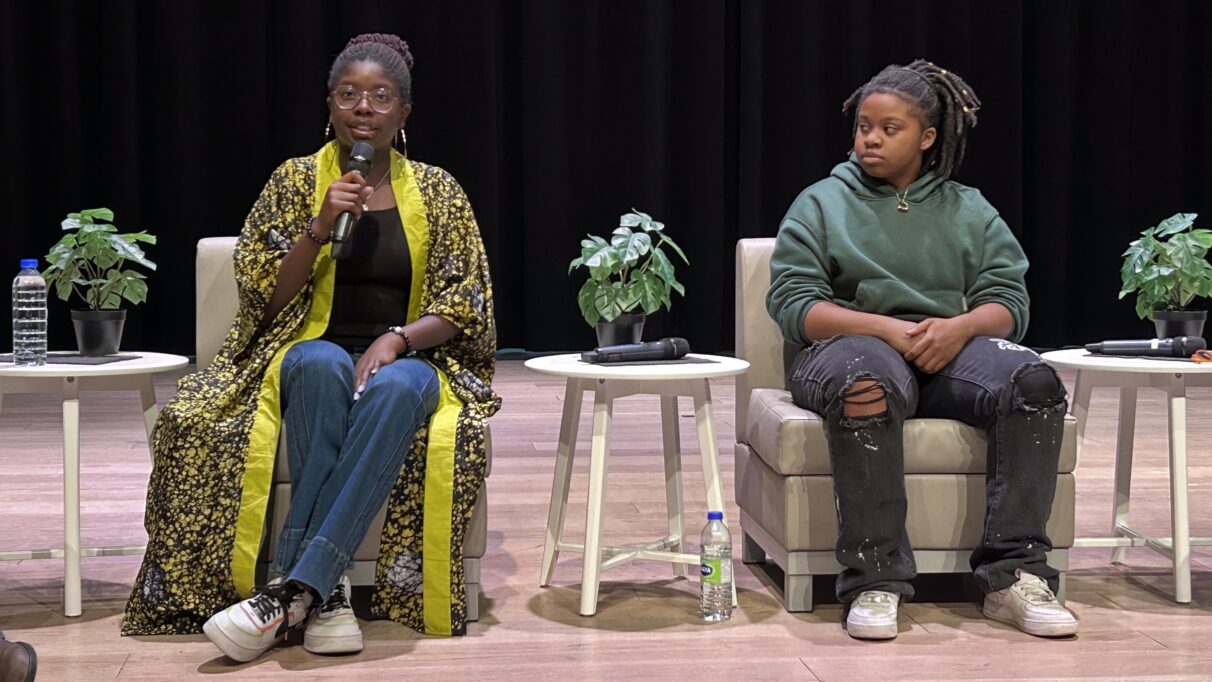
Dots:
{"x": 1168, "y": 268}
{"x": 90, "y": 261}
{"x": 629, "y": 272}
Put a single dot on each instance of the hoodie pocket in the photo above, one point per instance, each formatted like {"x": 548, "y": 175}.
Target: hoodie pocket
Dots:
{"x": 894, "y": 297}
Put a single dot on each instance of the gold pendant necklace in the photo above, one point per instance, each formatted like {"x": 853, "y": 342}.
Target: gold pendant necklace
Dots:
{"x": 902, "y": 201}
{"x": 366, "y": 204}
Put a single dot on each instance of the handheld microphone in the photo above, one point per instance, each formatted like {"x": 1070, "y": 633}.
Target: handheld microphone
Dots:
{"x": 359, "y": 161}
{"x": 665, "y": 349}
{"x": 1177, "y": 347}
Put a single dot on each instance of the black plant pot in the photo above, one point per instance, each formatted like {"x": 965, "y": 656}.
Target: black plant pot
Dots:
{"x": 1172, "y": 323}
{"x": 626, "y": 328}
{"x": 98, "y": 332}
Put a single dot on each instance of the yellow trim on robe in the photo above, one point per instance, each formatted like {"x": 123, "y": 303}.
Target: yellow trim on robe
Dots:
{"x": 439, "y": 499}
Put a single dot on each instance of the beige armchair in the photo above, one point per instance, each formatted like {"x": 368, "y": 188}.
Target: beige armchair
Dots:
{"x": 216, "y": 308}
{"x": 783, "y": 483}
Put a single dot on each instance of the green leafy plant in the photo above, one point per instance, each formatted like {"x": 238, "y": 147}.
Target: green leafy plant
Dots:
{"x": 1168, "y": 266}
{"x": 630, "y": 271}
{"x": 90, "y": 260}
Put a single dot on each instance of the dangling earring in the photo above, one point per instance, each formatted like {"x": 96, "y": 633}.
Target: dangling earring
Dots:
{"x": 328, "y": 131}
{"x": 403, "y": 143}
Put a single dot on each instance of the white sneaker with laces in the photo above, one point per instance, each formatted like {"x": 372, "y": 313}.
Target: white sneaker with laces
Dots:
{"x": 873, "y": 615}
{"x": 248, "y": 629}
{"x": 1030, "y": 606}
{"x": 333, "y": 628}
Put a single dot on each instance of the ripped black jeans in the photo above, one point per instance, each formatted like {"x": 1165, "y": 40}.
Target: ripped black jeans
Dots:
{"x": 992, "y": 384}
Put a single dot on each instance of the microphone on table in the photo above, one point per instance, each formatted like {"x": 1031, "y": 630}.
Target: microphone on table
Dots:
{"x": 670, "y": 348}
{"x": 1177, "y": 347}
{"x": 359, "y": 160}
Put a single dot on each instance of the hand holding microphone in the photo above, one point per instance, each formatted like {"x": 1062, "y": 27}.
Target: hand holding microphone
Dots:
{"x": 342, "y": 205}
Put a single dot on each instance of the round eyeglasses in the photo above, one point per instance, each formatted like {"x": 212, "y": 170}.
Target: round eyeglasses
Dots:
{"x": 381, "y": 100}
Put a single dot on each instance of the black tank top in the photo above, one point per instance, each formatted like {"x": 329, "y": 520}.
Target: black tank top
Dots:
{"x": 372, "y": 284}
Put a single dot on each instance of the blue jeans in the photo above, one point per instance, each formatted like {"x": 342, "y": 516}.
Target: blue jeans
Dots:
{"x": 992, "y": 384}
{"x": 344, "y": 455}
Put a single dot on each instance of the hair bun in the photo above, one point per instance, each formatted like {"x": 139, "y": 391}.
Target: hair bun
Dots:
{"x": 390, "y": 40}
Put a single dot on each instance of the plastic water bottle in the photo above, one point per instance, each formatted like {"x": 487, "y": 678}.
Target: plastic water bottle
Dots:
{"x": 715, "y": 568}
{"x": 29, "y": 316}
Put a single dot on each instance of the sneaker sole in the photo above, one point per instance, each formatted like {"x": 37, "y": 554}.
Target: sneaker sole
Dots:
{"x": 1036, "y": 628}
{"x": 871, "y": 631}
{"x": 236, "y": 652}
{"x": 341, "y": 644}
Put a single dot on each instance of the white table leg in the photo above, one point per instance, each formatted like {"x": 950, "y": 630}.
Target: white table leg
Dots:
{"x": 595, "y": 510}
{"x": 707, "y": 449}
{"x": 151, "y": 410}
{"x": 1080, "y": 409}
{"x": 1179, "y": 526}
{"x": 71, "y": 497}
{"x": 1123, "y": 466}
{"x": 670, "y": 434}
{"x": 565, "y": 452}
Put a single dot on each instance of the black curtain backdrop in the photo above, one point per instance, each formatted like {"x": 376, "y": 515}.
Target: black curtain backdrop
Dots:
{"x": 558, "y": 116}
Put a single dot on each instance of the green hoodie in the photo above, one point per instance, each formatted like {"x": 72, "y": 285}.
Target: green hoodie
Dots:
{"x": 844, "y": 241}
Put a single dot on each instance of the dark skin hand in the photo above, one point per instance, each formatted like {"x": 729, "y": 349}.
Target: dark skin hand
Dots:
{"x": 346, "y": 194}
{"x": 425, "y": 332}
{"x": 930, "y": 344}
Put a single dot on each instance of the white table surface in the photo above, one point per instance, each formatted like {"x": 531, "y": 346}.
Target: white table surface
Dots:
{"x": 571, "y": 365}
{"x": 134, "y": 373}
{"x": 145, "y": 363}
{"x": 1079, "y": 358}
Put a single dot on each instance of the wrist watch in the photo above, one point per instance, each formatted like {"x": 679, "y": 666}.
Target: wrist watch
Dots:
{"x": 403, "y": 335}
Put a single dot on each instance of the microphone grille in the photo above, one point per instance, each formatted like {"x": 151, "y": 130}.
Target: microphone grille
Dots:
{"x": 1189, "y": 344}
{"x": 362, "y": 150}
{"x": 680, "y": 346}
{"x": 360, "y": 158}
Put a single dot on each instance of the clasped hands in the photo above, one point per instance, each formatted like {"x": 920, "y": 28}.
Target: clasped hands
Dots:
{"x": 932, "y": 343}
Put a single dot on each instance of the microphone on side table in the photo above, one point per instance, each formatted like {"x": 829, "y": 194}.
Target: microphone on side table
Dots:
{"x": 670, "y": 348}
{"x": 1177, "y": 347}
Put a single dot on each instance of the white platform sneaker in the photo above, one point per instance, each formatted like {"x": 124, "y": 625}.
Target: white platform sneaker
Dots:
{"x": 873, "y": 615}
{"x": 334, "y": 628}
{"x": 1030, "y": 606}
{"x": 248, "y": 629}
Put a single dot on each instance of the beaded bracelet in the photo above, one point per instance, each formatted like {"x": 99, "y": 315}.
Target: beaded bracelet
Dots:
{"x": 404, "y": 335}
{"x": 313, "y": 236}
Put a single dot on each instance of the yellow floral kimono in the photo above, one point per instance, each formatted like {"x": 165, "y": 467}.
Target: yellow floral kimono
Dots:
{"x": 215, "y": 444}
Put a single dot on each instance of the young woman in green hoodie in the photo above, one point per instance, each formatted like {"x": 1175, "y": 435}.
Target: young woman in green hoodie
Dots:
{"x": 906, "y": 290}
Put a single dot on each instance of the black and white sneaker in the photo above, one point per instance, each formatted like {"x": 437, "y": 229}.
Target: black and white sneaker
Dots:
{"x": 333, "y": 628}
{"x": 248, "y": 629}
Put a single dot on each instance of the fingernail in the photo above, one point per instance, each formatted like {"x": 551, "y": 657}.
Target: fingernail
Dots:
{"x": 374, "y": 371}
{"x": 357, "y": 394}
{"x": 361, "y": 388}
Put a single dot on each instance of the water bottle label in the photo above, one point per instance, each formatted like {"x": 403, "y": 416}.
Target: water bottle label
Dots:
{"x": 716, "y": 571}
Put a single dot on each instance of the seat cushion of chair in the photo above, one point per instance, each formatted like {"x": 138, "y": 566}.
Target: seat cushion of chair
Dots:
{"x": 791, "y": 440}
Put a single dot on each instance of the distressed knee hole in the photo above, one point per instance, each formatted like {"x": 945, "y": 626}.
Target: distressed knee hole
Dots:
{"x": 1037, "y": 387}
{"x": 864, "y": 398}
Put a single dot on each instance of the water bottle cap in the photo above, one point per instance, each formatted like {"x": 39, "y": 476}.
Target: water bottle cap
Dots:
{"x": 715, "y": 516}
{"x": 27, "y": 263}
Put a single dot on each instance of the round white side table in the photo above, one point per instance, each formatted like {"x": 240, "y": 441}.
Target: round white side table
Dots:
{"x": 1128, "y": 374}
{"x": 134, "y": 373}
{"x": 607, "y": 382}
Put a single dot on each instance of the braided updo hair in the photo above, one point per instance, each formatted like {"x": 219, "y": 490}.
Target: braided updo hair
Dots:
{"x": 385, "y": 49}
{"x": 945, "y": 102}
